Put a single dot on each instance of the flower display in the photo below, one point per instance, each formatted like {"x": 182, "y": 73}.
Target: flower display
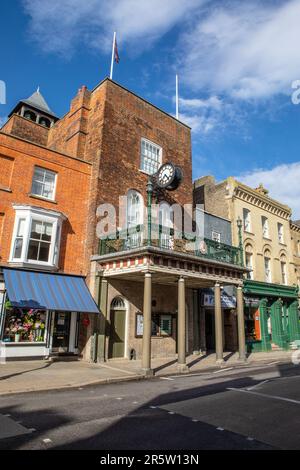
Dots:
{"x": 24, "y": 325}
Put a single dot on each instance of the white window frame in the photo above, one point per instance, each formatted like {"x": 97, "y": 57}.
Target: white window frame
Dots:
{"x": 216, "y": 236}
{"x": 283, "y": 270}
{"x": 55, "y": 183}
{"x": 41, "y": 215}
{"x": 149, "y": 142}
{"x": 265, "y": 227}
{"x": 249, "y": 256}
{"x": 280, "y": 230}
{"x": 247, "y": 220}
{"x": 268, "y": 274}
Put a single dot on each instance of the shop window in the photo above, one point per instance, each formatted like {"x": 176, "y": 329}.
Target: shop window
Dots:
{"x": 252, "y": 324}
{"x": 24, "y": 325}
{"x": 151, "y": 157}
{"x": 44, "y": 183}
{"x": 36, "y": 236}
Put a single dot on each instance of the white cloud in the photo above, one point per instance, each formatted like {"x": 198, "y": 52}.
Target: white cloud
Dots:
{"x": 60, "y": 25}
{"x": 195, "y": 103}
{"x": 282, "y": 181}
{"x": 244, "y": 49}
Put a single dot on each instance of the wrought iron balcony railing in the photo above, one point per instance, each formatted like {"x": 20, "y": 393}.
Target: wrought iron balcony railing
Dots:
{"x": 168, "y": 239}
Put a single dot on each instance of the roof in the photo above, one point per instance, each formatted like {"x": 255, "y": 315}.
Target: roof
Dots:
{"x": 36, "y": 101}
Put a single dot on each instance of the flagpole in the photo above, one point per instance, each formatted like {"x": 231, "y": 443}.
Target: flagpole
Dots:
{"x": 113, "y": 57}
{"x": 177, "y": 98}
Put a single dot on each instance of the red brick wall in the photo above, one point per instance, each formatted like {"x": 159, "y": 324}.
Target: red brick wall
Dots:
{"x": 72, "y": 194}
{"x": 26, "y": 129}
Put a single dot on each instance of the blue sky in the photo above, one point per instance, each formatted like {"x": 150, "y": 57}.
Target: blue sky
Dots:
{"x": 236, "y": 62}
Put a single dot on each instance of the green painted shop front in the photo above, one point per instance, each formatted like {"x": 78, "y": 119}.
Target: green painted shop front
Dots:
{"x": 271, "y": 316}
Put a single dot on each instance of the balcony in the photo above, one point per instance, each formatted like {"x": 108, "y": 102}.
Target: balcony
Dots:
{"x": 168, "y": 239}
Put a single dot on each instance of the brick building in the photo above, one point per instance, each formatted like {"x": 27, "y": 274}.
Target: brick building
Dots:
{"x": 43, "y": 228}
{"x": 111, "y": 143}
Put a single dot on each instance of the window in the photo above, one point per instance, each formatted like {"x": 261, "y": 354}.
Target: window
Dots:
{"x": 135, "y": 218}
{"x": 161, "y": 325}
{"x": 249, "y": 261}
{"x": 247, "y": 220}
{"x": 43, "y": 183}
{"x": 36, "y": 236}
{"x": 19, "y": 239}
{"x": 166, "y": 224}
{"x": 283, "y": 272}
{"x": 298, "y": 247}
{"x": 151, "y": 157}
{"x": 216, "y": 236}
{"x": 267, "y": 262}
{"x": 265, "y": 227}
{"x": 24, "y": 325}
{"x": 280, "y": 233}
{"x": 40, "y": 241}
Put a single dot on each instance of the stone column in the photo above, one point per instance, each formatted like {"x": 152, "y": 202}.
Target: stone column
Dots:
{"x": 182, "y": 367}
{"x": 196, "y": 323}
{"x": 146, "y": 351}
{"x": 241, "y": 323}
{"x": 218, "y": 325}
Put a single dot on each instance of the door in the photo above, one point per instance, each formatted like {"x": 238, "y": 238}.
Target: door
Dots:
{"x": 210, "y": 330}
{"x": 117, "y": 336}
{"x": 61, "y": 332}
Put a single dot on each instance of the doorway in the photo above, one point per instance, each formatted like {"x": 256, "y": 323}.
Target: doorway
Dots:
{"x": 210, "y": 330}
{"x": 61, "y": 332}
{"x": 117, "y": 329}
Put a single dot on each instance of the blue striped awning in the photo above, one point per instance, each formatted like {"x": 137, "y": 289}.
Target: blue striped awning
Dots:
{"x": 45, "y": 291}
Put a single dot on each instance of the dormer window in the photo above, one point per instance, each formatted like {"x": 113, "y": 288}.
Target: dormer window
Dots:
{"x": 36, "y": 236}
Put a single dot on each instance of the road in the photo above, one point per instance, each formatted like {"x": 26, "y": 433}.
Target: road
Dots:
{"x": 245, "y": 408}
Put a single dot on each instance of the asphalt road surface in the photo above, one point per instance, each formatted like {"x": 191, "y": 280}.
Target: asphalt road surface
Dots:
{"x": 245, "y": 408}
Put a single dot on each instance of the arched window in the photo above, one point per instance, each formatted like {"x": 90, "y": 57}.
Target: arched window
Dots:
{"x": 249, "y": 260}
{"x": 166, "y": 223}
{"x": 283, "y": 270}
{"x": 43, "y": 121}
{"x": 134, "y": 209}
{"x": 118, "y": 304}
{"x": 135, "y": 218}
{"x": 267, "y": 265}
{"x": 30, "y": 115}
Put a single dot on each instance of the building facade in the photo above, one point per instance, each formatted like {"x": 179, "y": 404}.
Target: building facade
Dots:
{"x": 144, "y": 274}
{"x": 271, "y": 293}
{"x": 43, "y": 226}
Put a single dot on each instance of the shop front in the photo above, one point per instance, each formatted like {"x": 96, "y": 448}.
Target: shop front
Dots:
{"x": 271, "y": 316}
{"x": 42, "y": 313}
{"x": 228, "y": 303}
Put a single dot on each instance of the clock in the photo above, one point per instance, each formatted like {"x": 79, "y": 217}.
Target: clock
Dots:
{"x": 169, "y": 176}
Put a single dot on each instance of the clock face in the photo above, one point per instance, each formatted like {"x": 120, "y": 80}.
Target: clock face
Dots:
{"x": 165, "y": 175}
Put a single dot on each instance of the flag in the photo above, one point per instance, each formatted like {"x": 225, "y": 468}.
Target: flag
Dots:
{"x": 117, "y": 57}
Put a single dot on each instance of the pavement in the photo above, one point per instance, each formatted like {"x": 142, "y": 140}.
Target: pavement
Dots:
{"x": 250, "y": 408}
{"x": 33, "y": 376}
